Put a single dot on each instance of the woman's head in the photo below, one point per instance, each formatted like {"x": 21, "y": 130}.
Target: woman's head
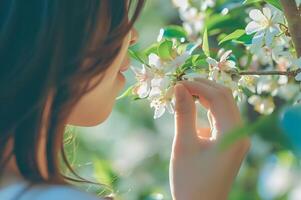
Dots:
{"x": 59, "y": 64}
{"x": 96, "y": 105}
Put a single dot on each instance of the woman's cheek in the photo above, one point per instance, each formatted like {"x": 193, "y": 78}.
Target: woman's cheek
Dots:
{"x": 96, "y": 106}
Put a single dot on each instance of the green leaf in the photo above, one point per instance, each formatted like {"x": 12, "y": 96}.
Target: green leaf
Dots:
{"x": 244, "y": 39}
{"x": 275, "y": 3}
{"x": 165, "y": 50}
{"x": 197, "y": 60}
{"x": 174, "y": 31}
{"x": 246, "y": 130}
{"x": 251, "y": 1}
{"x": 126, "y": 93}
{"x": 263, "y": 126}
{"x": 152, "y": 49}
{"x": 201, "y": 63}
{"x": 205, "y": 46}
{"x": 234, "y": 35}
{"x": 136, "y": 55}
{"x": 103, "y": 172}
{"x": 218, "y": 21}
{"x": 182, "y": 48}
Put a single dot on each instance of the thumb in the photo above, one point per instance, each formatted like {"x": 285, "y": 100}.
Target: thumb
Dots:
{"x": 185, "y": 112}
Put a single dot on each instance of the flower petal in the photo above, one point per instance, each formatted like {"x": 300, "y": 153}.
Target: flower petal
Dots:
{"x": 156, "y": 82}
{"x": 258, "y": 39}
{"x": 213, "y": 74}
{"x": 253, "y": 100}
{"x": 155, "y": 92}
{"x": 161, "y": 83}
{"x": 154, "y": 60}
{"x": 257, "y": 15}
{"x": 230, "y": 64}
{"x": 269, "y": 35}
{"x": 267, "y": 12}
{"x": 170, "y": 108}
{"x": 143, "y": 90}
{"x": 225, "y": 56}
{"x": 253, "y": 27}
{"x": 183, "y": 4}
{"x": 266, "y": 107}
{"x": 135, "y": 70}
{"x": 179, "y": 60}
{"x": 159, "y": 111}
{"x": 212, "y": 62}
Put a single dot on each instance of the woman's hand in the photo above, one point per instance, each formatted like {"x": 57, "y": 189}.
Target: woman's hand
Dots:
{"x": 199, "y": 170}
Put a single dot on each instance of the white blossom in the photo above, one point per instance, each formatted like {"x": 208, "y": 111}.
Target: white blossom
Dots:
{"x": 205, "y": 4}
{"x": 263, "y": 105}
{"x": 288, "y": 91}
{"x": 224, "y": 63}
{"x": 154, "y": 83}
{"x": 182, "y": 4}
{"x": 179, "y": 60}
{"x": 283, "y": 63}
{"x": 249, "y": 81}
{"x": 193, "y": 21}
{"x": 161, "y": 93}
{"x": 158, "y": 86}
{"x": 220, "y": 71}
{"x": 265, "y": 26}
{"x": 268, "y": 85}
{"x": 162, "y": 101}
{"x": 144, "y": 77}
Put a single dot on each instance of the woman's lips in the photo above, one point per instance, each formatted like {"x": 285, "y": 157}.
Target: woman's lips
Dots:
{"x": 126, "y": 66}
{"x": 123, "y": 69}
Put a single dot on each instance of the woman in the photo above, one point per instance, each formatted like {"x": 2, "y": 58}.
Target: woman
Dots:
{"x": 62, "y": 63}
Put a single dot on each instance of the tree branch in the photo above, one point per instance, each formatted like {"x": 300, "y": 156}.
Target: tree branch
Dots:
{"x": 293, "y": 17}
{"x": 284, "y": 73}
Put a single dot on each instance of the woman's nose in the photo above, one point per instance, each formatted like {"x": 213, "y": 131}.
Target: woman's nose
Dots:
{"x": 134, "y": 36}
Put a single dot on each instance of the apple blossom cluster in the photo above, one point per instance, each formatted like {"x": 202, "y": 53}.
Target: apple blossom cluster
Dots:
{"x": 193, "y": 17}
{"x": 271, "y": 48}
{"x": 155, "y": 83}
{"x": 183, "y": 53}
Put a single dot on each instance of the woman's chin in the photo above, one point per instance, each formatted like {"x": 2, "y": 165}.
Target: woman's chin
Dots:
{"x": 94, "y": 121}
{"x": 93, "y": 117}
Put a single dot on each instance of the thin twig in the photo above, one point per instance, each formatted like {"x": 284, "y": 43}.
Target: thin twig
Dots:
{"x": 263, "y": 73}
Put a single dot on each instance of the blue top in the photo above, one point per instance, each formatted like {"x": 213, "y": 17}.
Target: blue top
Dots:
{"x": 43, "y": 193}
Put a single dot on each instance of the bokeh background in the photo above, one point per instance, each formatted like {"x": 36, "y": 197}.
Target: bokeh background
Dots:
{"x": 130, "y": 151}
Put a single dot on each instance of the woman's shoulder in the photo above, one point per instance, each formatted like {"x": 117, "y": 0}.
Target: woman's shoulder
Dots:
{"x": 44, "y": 192}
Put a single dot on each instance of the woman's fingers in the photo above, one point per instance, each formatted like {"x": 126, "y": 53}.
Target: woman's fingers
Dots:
{"x": 185, "y": 116}
{"x": 224, "y": 111}
{"x": 227, "y": 91}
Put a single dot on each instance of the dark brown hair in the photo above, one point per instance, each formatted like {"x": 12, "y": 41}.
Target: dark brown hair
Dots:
{"x": 43, "y": 45}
